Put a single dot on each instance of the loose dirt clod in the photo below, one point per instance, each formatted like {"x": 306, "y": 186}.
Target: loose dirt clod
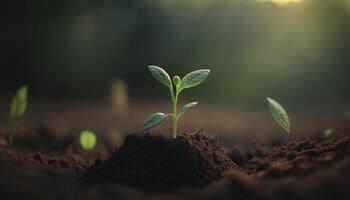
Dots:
{"x": 155, "y": 162}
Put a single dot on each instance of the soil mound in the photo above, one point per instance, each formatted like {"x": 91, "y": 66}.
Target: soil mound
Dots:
{"x": 155, "y": 162}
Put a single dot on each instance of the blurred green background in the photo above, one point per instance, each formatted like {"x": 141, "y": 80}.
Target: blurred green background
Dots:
{"x": 296, "y": 52}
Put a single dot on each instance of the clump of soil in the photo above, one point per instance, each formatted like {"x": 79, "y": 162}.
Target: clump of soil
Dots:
{"x": 158, "y": 163}
{"x": 295, "y": 158}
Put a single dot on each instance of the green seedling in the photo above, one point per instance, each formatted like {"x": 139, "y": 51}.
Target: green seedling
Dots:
{"x": 279, "y": 114}
{"x": 88, "y": 140}
{"x": 18, "y": 108}
{"x": 190, "y": 80}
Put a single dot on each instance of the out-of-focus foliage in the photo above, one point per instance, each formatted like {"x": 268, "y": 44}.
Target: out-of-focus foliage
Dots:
{"x": 298, "y": 53}
{"x": 19, "y": 103}
{"x": 87, "y": 140}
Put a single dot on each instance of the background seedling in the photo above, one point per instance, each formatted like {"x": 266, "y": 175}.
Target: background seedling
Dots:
{"x": 190, "y": 80}
{"x": 87, "y": 140}
{"x": 18, "y": 108}
{"x": 279, "y": 114}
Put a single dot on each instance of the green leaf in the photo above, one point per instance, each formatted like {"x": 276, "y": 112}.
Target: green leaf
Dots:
{"x": 279, "y": 114}
{"x": 161, "y": 75}
{"x": 19, "y": 102}
{"x": 87, "y": 139}
{"x": 187, "y": 107}
{"x": 153, "y": 120}
{"x": 194, "y": 78}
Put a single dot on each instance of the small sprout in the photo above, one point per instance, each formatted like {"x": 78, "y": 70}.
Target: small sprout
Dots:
{"x": 88, "y": 140}
{"x": 18, "y": 108}
{"x": 279, "y": 114}
{"x": 328, "y": 132}
{"x": 190, "y": 80}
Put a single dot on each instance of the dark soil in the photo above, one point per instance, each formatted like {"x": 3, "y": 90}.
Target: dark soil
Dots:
{"x": 158, "y": 163}
{"x": 297, "y": 158}
{"x": 68, "y": 166}
{"x": 194, "y": 166}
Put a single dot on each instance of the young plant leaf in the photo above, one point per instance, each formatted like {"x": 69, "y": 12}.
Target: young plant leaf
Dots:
{"x": 187, "y": 107}
{"x": 160, "y": 74}
{"x": 279, "y": 114}
{"x": 19, "y": 102}
{"x": 194, "y": 78}
{"x": 153, "y": 120}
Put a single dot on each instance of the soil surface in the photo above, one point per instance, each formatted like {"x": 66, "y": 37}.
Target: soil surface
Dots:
{"x": 156, "y": 162}
{"x": 195, "y": 166}
{"x": 297, "y": 158}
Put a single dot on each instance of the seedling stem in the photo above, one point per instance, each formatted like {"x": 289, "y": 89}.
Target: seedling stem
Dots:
{"x": 174, "y": 99}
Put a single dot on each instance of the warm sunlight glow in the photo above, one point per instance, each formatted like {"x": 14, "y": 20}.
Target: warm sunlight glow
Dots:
{"x": 285, "y": 2}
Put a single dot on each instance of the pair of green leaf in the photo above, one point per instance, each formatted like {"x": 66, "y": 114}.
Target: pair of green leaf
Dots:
{"x": 190, "y": 80}
{"x": 279, "y": 114}
{"x": 19, "y": 102}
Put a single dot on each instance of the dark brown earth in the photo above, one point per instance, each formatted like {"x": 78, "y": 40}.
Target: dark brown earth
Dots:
{"x": 156, "y": 163}
{"x": 194, "y": 167}
{"x": 296, "y": 158}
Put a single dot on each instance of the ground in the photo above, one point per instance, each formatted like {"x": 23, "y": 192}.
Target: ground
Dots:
{"x": 46, "y": 161}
